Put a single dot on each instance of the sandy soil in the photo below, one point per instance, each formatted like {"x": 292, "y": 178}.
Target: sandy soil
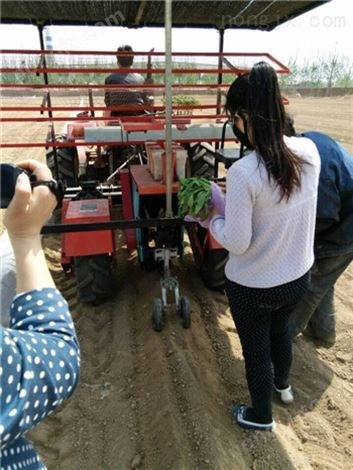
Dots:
{"x": 158, "y": 401}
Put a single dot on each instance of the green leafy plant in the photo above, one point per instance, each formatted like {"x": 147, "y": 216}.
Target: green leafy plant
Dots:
{"x": 183, "y": 100}
{"x": 194, "y": 196}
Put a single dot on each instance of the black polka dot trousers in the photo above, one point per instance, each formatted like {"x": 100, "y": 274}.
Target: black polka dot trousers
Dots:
{"x": 261, "y": 317}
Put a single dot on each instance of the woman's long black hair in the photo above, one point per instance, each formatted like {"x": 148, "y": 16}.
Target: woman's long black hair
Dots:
{"x": 257, "y": 94}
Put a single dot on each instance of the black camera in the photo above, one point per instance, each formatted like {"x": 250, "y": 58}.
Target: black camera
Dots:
{"x": 9, "y": 173}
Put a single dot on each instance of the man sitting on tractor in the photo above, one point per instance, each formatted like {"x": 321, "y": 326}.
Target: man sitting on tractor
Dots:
{"x": 124, "y": 97}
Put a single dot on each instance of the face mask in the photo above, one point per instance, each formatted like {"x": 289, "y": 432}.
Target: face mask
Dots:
{"x": 243, "y": 137}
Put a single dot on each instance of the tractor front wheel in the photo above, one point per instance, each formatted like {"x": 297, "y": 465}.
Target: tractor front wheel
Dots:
{"x": 94, "y": 278}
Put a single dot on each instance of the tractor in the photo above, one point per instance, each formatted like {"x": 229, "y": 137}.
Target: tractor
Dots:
{"x": 103, "y": 193}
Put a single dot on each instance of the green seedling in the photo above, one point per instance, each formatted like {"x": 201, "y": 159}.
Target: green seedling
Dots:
{"x": 194, "y": 197}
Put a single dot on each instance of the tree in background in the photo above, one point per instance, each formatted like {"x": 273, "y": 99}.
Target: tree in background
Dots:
{"x": 329, "y": 72}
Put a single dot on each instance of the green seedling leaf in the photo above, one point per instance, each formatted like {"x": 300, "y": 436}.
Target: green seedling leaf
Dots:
{"x": 193, "y": 197}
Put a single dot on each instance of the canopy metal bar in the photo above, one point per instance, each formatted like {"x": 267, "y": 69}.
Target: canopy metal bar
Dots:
{"x": 168, "y": 96}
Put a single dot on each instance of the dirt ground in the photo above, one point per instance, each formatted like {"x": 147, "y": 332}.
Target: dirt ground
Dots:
{"x": 160, "y": 401}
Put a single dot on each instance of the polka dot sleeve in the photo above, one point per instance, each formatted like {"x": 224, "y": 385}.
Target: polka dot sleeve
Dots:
{"x": 40, "y": 361}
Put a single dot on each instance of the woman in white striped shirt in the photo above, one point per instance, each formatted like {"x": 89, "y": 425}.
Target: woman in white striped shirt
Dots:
{"x": 268, "y": 229}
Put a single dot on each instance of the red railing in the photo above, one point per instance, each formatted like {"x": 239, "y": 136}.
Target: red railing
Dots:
{"x": 65, "y": 102}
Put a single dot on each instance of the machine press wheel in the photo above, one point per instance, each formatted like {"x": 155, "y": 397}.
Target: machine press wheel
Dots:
{"x": 185, "y": 312}
{"x": 157, "y": 315}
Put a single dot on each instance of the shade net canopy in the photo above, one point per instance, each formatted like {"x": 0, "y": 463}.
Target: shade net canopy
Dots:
{"x": 219, "y": 14}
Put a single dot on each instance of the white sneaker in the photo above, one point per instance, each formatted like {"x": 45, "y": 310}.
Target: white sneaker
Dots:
{"x": 285, "y": 395}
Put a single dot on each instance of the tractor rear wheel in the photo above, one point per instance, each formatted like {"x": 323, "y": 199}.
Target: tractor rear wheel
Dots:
{"x": 212, "y": 268}
{"x": 67, "y": 159}
{"x": 94, "y": 277}
{"x": 201, "y": 161}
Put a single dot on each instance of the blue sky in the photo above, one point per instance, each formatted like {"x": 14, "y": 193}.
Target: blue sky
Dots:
{"x": 324, "y": 31}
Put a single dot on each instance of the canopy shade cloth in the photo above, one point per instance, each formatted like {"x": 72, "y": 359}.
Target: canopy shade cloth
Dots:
{"x": 219, "y": 14}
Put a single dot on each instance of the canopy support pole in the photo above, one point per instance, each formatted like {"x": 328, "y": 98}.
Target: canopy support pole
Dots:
{"x": 47, "y": 101}
{"x": 220, "y": 74}
{"x": 168, "y": 79}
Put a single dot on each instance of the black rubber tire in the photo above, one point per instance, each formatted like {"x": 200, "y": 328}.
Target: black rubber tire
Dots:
{"x": 185, "y": 312}
{"x": 67, "y": 163}
{"x": 201, "y": 161}
{"x": 94, "y": 278}
{"x": 212, "y": 268}
{"x": 157, "y": 315}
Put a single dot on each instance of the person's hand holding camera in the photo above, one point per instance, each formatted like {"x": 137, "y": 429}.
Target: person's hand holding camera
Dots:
{"x": 27, "y": 212}
{"x": 30, "y": 207}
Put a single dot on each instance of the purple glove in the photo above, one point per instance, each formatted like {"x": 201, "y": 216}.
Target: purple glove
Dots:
{"x": 204, "y": 223}
{"x": 217, "y": 199}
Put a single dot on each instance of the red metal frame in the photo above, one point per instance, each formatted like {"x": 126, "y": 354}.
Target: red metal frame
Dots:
{"x": 215, "y": 113}
{"x": 127, "y": 208}
{"x": 281, "y": 68}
